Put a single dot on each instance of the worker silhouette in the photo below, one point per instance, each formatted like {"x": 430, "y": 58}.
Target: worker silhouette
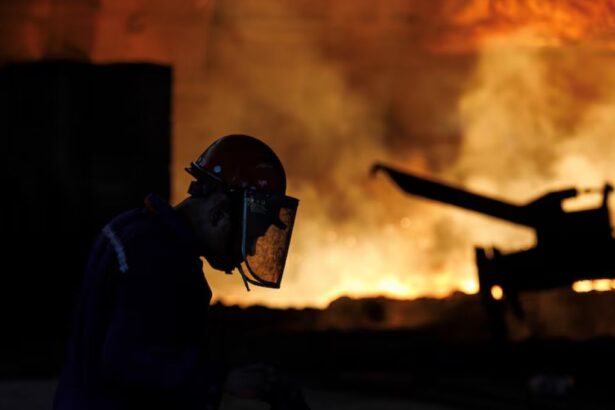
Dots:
{"x": 140, "y": 328}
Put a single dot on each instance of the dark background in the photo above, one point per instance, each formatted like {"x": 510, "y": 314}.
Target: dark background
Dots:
{"x": 81, "y": 143}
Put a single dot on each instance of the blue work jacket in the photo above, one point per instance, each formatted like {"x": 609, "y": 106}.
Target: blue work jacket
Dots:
{"x": 140, "y": 331}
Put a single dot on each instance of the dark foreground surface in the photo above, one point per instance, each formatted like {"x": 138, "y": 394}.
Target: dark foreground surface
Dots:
{"x": 346, "y": 358}
{"x": 35, "y": 395}
{"x": 534, "y": 374}
{"x": 405, "y": 370}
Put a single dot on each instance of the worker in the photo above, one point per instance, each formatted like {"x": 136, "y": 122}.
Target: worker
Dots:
{"x": 140, "y": 330}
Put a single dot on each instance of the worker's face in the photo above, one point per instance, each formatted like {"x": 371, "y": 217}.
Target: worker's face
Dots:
{"x": 217, "y": 231}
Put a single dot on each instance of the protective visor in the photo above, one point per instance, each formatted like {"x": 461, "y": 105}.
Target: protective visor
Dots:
{"x": 268, "y": 221}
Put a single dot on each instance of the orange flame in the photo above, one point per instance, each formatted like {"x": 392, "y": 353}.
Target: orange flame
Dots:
{"x": 470, "y": 24}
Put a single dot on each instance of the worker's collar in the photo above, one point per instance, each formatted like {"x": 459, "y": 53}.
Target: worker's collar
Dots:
{"x": 158, "y": 206}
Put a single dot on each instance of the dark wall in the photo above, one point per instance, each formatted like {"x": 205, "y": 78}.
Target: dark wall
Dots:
{"x": 80, "y": 144}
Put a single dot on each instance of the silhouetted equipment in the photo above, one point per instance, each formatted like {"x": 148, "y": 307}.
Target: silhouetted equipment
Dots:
{"x": 570, "y": 246}
{"x": 80, "y": 143}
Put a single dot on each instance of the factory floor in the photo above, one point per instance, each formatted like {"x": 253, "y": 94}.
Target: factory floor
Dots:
{"x": 38, "y": 395}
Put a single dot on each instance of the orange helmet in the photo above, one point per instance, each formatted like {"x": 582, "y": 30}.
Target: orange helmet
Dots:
{"x": 249, "y": 170}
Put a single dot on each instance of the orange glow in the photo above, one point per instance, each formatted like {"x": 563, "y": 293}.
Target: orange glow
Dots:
{"x": 552, "y": 23}
{"x": 529, "y": 121}
{"x": 469, "y": 286}
{"x": 388, "y": 285}
{"x": 517, "y": 113}
{"x": 509, "y": 98}
{"x": 582, "y": 286}
{"x": 497, "y": 292}
{"x": 600, "y": 285}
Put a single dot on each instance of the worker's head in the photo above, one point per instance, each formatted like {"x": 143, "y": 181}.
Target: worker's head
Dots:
{"x": 238, "y": 209}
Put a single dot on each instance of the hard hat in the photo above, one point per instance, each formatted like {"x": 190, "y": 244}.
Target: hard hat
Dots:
{"x": 240, "y": 162}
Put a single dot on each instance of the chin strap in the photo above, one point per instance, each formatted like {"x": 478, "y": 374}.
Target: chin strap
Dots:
{"x": 243, "y": 276}
{"x": 199, "y": 189}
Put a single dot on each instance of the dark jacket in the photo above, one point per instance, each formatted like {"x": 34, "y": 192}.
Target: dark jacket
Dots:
{"x": 139, "y": 332}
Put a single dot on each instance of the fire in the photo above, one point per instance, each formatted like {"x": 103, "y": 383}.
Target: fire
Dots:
{"x": 473, "y": 23}
{"x": 509, "y": 98}
{"x": 389, "y": 286}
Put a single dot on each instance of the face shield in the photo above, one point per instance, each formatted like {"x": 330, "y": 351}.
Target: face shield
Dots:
{"x": 267, "y": 226}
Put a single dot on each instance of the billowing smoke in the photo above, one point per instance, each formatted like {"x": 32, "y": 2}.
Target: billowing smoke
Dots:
{"x": 329, "y": 119}
{"x": 507, "y": 113}
{"x": 509, "y": 98}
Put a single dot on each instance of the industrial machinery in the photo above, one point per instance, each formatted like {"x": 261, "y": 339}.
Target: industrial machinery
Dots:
{"x": 570, "y": 245}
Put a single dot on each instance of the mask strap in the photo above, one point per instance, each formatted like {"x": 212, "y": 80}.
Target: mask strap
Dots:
{"x": 243, "y": 276}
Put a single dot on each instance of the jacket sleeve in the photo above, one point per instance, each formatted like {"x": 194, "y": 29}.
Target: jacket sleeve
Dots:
{"x": 153, "y": 340}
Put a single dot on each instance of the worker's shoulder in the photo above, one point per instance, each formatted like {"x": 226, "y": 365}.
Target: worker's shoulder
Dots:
{"x": 137, "y": 226}
{"x": 138, "y": 237}
{"x": 133, "y": 223}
